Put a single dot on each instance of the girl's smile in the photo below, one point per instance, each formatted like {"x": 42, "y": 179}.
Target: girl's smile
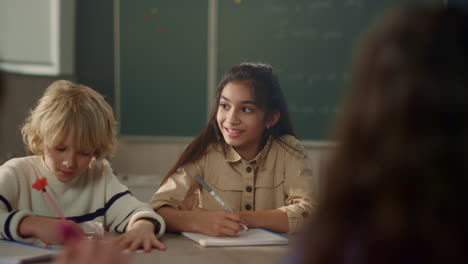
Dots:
{"x": 233, "y": 133}
{"x": 240, "y": 120}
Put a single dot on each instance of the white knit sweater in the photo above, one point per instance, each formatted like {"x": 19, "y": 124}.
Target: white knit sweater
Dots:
{"x": 96, "y": 195}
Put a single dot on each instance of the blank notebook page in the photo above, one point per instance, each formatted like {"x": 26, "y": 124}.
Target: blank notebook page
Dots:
{"x": 252, "y": 237}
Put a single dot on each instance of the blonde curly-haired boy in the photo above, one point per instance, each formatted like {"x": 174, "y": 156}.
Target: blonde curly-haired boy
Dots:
{"x": 69, "y": 133}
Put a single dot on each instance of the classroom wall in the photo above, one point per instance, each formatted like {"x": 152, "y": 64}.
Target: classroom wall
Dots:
{"x": 139, "y": 164}
{"x": 19, "y": 93}
{"x": 94, "y": 59}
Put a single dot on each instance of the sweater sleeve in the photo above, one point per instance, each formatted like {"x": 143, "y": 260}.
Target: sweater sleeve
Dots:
{"x": 123, "y": 209}
{"x": 10, "y": 214}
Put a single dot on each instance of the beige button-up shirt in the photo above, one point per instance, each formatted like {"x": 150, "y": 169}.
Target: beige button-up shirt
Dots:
{"x": 279, "y": 177}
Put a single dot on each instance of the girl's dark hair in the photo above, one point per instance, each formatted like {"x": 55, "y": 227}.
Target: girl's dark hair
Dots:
{"x": 395, "y": 188}
{"x": 268, "y": 97}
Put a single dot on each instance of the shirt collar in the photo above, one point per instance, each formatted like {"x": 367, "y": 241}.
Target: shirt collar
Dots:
{"x": 233, "y": 156}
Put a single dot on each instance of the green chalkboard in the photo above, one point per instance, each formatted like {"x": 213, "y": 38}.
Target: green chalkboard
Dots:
{"x": 310, "y": 43}
{"x": 162, "y": 67}
{"x": 163, "y": 57}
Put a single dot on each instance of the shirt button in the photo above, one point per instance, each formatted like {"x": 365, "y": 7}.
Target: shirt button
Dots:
{"x": 248, "y": 188}
{"x": 248, "y": 169}
{"x": 248, "y": 207}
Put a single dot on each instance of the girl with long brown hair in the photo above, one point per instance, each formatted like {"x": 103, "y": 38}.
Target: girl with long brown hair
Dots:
{"x": 249, "y": 155}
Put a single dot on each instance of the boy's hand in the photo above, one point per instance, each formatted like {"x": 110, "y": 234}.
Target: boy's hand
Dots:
{"x": 91, "y": 252}
{"x": 141, "y": 235}
{"x": 45, "y": 229}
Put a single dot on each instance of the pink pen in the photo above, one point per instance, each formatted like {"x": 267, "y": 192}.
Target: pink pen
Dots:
{"x": 67, "y": 232}
{"x": 64, "y": 228}
{"x": 40, "y": 185}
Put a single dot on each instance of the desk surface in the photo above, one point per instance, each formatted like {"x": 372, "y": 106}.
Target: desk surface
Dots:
{"x": 183, "y": 250}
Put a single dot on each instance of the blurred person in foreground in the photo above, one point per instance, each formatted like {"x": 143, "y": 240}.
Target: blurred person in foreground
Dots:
{"x": 395, "y": 188}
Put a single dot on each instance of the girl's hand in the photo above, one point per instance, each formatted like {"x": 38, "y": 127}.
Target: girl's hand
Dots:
{"x": 217, "y": 223}
{"x": 141, "y": 235}
{"x": 45, "y": 229}
{"x": 91, "y": 252}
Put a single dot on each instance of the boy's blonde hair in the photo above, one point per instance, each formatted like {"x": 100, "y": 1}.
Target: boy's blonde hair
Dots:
{"x": 65, "y": 108}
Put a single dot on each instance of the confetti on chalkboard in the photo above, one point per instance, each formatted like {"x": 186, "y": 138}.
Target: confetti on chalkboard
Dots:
{"x": 146, "y": 17}
{"x": 237, "y": 2}
{"x": 161, "y": 31}
{"x": 154, "y": 10}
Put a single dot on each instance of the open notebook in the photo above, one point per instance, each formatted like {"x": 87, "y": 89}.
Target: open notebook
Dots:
{"x": 252, "y": 237}
{"x": 12, "y": 252}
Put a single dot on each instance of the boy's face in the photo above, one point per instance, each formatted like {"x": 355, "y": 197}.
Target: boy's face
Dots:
{"x": 240, "y": 120}
{"x": 65, "y": 161}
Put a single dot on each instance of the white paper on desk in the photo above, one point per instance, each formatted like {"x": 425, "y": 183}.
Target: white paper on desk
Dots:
{"x": 253, "y": 237}
{"x": 16, "y": 253}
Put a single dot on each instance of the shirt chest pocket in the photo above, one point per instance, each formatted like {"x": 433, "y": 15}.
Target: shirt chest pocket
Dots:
{"x": 269, "y": 190}
{"x": 270, "y": 179}
{"x": 228, "y": 187}
{"x": 226, "y": 182}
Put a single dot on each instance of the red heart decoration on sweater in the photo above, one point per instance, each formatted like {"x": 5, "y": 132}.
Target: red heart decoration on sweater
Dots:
{"x": 40, "y": 184}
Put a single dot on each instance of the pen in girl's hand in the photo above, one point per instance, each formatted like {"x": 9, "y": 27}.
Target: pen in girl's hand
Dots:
{"x": 217, "y": 198}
